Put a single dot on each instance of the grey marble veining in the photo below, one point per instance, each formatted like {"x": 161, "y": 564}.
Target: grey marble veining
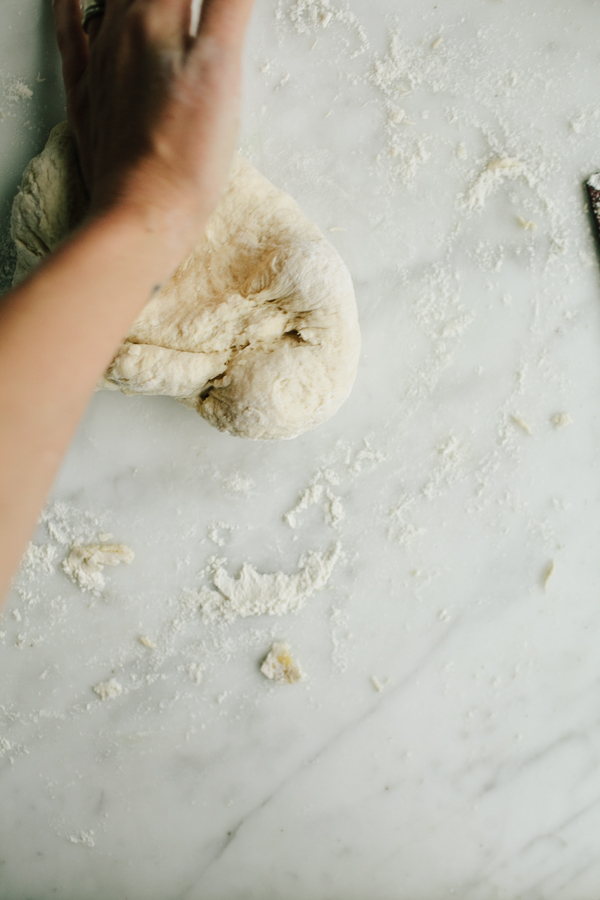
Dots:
{"x": 473, "y": 772}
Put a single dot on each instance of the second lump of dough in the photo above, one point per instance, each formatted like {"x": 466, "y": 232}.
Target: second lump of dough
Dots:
{"x": 257, "y": 330}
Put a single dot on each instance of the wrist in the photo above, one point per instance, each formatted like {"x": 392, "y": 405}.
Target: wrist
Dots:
{"x": 169, "y": 215}
{"x": 155, "y": 239}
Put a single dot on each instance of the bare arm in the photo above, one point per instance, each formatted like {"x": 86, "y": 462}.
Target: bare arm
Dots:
{"x": 155, "y": 115}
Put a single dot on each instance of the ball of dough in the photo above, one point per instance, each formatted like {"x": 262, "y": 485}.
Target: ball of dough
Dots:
{"x": 257, "y": 330}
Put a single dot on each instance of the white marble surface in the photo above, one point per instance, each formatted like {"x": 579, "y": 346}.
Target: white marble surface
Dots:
{"x": 475, "y": 771}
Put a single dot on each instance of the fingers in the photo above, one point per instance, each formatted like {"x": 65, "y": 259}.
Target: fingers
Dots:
{"x": 168, "y": 20}
{"x": 225, "y": 22}
{"x": 93, "y": 28}
{"x": 72, "y": 41}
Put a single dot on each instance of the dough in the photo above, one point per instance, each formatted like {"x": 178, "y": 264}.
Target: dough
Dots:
{"x": 257, "y": 330}
{"x": 280, "y": 666}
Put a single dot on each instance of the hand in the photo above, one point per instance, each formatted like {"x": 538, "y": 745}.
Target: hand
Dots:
{"x": 154, "y": 110}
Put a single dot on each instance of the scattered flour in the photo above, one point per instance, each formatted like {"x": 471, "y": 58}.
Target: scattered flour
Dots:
{"x": 18, "y": 90}
{"x": 311, "y": 496}
{"x": 310, "y": 16}
{"x": 39, "y": 560}
{"x": 218, "y": 532}
{"x": 85, "y": 563}
{"x": 238, "y": 484}
{"x": 340, "y": 636}
{"x": 317, "y": 494}
{"x": 495, "y": 173}
{"x": 253, "y": 593}
{"x": 280, "y": 666}
{"x": 366, "y": 458}
{"x": 67, "y": 523}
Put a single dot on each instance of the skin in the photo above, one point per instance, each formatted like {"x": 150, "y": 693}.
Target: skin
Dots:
{"x": 155, "y": 114}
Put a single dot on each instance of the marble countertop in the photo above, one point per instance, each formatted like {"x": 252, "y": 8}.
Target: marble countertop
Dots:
{"x": 446, "y": 740}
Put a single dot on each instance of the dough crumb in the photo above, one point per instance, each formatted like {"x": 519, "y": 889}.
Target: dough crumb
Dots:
{"x": 147, "y": 642}
{"x": 280, "y": 666}
{"x": 84, "y": 563}
{"x": 379, "y": 685}
{"x": 522, "y": 424}
{"x": 548, "y": 574}
{"x": 561, "y": 420}
{"x": 526, "y": 225}
{"x": 196, "y": 672}
{"x": 108, "y": 690}
{"x": 84, "y": 837}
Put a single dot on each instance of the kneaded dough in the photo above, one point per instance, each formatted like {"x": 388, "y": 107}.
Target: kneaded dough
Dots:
{"x": 257, "y": 330}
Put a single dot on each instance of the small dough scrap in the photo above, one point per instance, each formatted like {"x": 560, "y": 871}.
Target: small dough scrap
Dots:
{"x": 561, "y": 420}
{"x": 280, "y": 666}
{"x": 84, "y": 564}
{"x": 257, "y": 330}
{"x": 108, "y": 690}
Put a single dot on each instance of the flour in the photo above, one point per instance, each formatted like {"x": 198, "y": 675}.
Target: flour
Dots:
{"x": 39, "y": 560}
{"x": 495, "y": 173}
{"x": 317, "y": 494}
{"x": 218, "y": 533}
{"x": 238, "y": 484}
{"x": 310, "y": 16}
{"x": 85, "y": 563}
{"x": 18, "y": 90}
{"x": 401, "y": 529}
{"x": 311, "y": 496}
{"x": 67, "y": 524}
{"x": 252, "y": 593}
{"x": 340, "y": 637}
{"x": 367, "y": 458}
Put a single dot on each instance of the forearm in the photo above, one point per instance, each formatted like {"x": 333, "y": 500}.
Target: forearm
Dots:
{"x": 58, "y": 332}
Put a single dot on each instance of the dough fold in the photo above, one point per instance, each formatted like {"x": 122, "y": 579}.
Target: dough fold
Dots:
{"x": 257, "y": 329}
